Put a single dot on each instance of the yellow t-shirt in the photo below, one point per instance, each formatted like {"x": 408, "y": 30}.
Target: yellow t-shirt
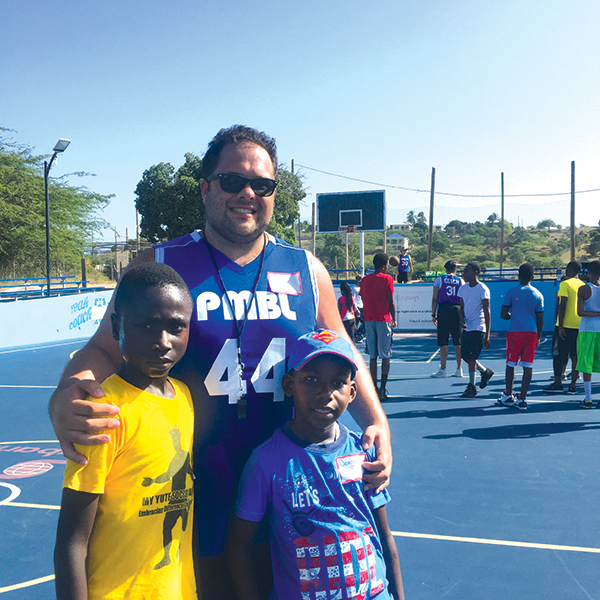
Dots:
{"x": 568, "y": 289}
{"x": 141, "y": 542}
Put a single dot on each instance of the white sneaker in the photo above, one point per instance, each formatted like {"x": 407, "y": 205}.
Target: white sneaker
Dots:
{"x": 507, "y": 399}
{"x": 458, "y": 372}
{"x": 439, "y": 373}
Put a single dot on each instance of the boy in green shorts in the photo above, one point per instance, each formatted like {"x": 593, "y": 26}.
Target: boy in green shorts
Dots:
{"x": 588, "y": 341}
{"x": 124, "y": 529}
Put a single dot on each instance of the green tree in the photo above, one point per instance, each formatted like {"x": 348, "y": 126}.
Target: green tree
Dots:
{"x": 73, "y": 215}
{"x": 170, "y": 202}
{"x": 546, "y": 224}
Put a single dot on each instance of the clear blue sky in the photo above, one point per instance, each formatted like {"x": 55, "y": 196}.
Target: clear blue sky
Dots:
{"x": 380, "y": 91}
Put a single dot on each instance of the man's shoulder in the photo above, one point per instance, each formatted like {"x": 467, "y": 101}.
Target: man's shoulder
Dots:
{"x": 193, "y": 237}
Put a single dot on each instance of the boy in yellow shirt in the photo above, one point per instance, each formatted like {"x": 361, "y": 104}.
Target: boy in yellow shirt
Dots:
{"x": 564, "y": 341}
{"x": 125, "y": 527}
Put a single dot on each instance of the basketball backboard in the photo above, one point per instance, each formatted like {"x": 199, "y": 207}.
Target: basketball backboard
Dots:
{"x": 363, "y": 210}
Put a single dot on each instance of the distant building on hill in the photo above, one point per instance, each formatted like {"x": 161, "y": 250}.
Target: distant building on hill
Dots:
{"x": 395, "y": 241}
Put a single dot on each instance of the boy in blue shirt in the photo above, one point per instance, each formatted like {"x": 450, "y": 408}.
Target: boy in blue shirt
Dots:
{"x": 329, "y": 538}
{"x": 524, "y": 306}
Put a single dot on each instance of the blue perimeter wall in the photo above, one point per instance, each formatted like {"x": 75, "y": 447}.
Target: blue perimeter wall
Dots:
{"x": 413, "y": 304}
{"x": 47, "y": 320}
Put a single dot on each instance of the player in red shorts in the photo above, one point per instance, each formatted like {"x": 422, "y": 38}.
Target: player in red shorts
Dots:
{"x": 524, "y": 306}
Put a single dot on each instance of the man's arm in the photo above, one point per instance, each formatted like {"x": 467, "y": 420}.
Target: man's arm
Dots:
{"x": 485, "y": 305}
{"x": 390, "y": 553}
{"x": 366, "y": 408}
{"x": 539, "y": 322}
{"x": 77, "y": 514}
{"x": 392, "y": 309}
{"x": 505, "y": 312}
{"x": 434, "y": 303}
{"x": 75, "y": 420}
{"x": 562, "y": 311}
{"x": 240, "y": 549}
{"x": 461, "y": 312}
{"x": 584, "y": 293}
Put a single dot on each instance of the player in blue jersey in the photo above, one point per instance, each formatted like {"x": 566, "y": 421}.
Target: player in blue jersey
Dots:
{"x": 524, "y": 306}
{"x": 445, "y": 312}
{"x": 404, "y": 266}
{"x": 253, "y": 295}
{"x": 328, "y": 537}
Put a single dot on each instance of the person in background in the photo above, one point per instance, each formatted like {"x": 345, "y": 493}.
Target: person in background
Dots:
{"x": 358, "y": 305}
{"x": 404, "y": 266}
{"x": 476, "y": 319}
{"x": 523, "y": 306}
{"x": 588, "y": 340}
{"x": 564, "y": 339}
{"x": 445, "y": 312}
{"x": 377, "y": 292}
{"x": 347, "y": 310}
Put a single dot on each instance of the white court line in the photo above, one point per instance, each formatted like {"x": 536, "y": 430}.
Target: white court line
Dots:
{"x": 26, "y": 505}
{"x": 433, "y": 356}
{"x": 33, "y": 442}
{"x": 14, "y": 492}
{"x": 30, "y": 387}
{"x": 452, "y": 538}
{"x": 20, "y": 586}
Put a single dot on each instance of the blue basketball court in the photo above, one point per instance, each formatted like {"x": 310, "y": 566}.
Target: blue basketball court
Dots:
{"x": 488, "y": 502}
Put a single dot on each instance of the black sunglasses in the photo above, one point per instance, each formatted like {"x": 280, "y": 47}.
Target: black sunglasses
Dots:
{"x": 232, "y": 183}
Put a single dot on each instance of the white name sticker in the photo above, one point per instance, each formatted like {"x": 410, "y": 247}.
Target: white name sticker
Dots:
{"x": 350, "y": 467}
{"x": 285, "y": 283}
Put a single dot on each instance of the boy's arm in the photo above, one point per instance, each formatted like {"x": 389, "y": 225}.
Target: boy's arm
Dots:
{"x": 461, "y": 312}
{"x": 77, "y": 515}
{"x": 584, "y": 293}
{"x": 434, "y": 302}
{"x": 240, "y": 556}
{"x": 485, "y": 304}
{"x": 390, "y": 553}
{"x": 392, "y": 309}
{"x": 539, "y": 321}
{"x": 562, "y": 311}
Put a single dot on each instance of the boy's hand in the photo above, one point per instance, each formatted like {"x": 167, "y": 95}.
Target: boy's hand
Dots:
{"x": 376, "y": 475}
{"x": 79, "y": 421}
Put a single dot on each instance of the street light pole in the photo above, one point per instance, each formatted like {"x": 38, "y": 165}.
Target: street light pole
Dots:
{"x": 60, "y": 146}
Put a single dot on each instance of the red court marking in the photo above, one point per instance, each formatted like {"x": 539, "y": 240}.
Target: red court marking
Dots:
{"x": 31, "y": 468}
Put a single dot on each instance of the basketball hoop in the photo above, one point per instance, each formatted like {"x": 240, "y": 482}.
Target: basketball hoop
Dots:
{"x": 348, "y": 229}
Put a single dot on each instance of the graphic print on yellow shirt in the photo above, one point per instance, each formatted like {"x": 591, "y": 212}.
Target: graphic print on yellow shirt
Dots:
{"x": 141, "y": 542}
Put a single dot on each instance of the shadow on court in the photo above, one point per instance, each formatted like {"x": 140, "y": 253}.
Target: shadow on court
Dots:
{"x": 513, "y": 432}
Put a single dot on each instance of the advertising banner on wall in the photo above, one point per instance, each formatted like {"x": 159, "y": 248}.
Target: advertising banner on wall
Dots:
{"x": 43, "y": 320}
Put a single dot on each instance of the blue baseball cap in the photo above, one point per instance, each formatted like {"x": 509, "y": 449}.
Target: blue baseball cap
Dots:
{"x": 316, "y": 343}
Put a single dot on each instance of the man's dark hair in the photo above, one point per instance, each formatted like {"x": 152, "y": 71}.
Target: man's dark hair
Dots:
{"x": 574, "y": 266}
{"x": 475, "y": 266}
{"x": 143, "y": 277}
{"x": 526, "y": 272}
{"x": 237, "y": 134}
{"x": 380, "y": 260}
{"x": 594, "y": 268}
{"x": 450, "y": 266}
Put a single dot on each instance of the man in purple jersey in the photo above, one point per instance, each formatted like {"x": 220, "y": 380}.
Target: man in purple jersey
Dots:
{"x": 240, "y": 171}
{"x": 445, "y": 312}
